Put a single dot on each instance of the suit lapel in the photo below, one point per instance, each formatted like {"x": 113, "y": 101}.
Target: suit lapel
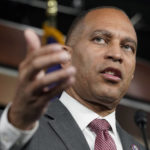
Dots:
{"x": 127, "y": 141}
{"x": 124, "y": 140}
{"x": 66, "y": 127}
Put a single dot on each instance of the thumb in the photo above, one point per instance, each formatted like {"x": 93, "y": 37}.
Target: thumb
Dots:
{"x": 33, "y": 43}
{"x": 32, "y": 40}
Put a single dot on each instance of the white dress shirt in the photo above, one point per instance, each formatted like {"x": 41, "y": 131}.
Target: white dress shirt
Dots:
{"x": 9, "y": 135}
{"x": 83, "y": 116}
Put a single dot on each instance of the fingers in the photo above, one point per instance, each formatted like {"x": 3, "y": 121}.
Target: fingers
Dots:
{"x": 32, "y": 69}
{"x": 44, "y": 62}
{"x": 57, "y": 77}
{"x": 39, "y": 59}
{"x": 42, "y": 51}
{"x": 55, "y": 91}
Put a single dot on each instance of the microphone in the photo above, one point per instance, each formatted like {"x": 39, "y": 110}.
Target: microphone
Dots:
{"x": 140, "y": 119}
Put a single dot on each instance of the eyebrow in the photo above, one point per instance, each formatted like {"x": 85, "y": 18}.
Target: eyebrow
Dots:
{"x": 130, "y": 41}
{"x": 103, "y": 32}
{"x": 110, "y": 35}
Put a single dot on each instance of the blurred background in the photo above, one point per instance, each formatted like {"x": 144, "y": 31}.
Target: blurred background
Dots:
{"x": 32, "y": 12}
{"x": 17, "y": 15}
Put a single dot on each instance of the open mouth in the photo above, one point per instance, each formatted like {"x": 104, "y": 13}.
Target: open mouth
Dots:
{"x": 112, "y": 74}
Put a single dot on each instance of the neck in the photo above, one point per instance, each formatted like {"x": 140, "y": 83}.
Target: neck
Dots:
{"x": 97, "y": 108}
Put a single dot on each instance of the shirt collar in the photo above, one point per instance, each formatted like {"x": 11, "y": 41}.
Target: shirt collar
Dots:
{"x": 82, "y": 115}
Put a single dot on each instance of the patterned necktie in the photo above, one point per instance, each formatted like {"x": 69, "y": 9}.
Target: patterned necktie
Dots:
{"x": 103, "y": 139}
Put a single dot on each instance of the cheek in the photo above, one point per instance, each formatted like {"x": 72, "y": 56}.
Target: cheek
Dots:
{"x": 130, "y": 68}
{"x": 84, "y": 62}
{"x": 82, "y": 59}
{"x": 129, "y": 72}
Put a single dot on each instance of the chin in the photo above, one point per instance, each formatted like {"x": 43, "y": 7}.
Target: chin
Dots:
{"x": 110, "y": 93}
{"x": 108, "y": 99}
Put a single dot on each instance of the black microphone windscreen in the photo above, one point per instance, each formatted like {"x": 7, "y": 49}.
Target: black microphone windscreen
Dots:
{"x": 140, "y": 118}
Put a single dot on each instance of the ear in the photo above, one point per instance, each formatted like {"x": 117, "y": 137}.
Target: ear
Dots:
{"x": 68, "y": 49}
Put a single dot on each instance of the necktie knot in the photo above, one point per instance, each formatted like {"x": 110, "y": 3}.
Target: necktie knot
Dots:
{"x": 98, "y": 125}
{"x": 103, "y": 140}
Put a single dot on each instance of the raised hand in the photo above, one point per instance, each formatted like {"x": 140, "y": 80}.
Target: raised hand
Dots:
{"x": 33, "y": 92}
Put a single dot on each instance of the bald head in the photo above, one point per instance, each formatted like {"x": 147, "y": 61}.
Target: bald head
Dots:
{"x": 91, "y": 16}
{"x": 103, "y": 49}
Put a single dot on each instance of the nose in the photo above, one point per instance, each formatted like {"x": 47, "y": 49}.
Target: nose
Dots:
{"x": 114, "y": 54}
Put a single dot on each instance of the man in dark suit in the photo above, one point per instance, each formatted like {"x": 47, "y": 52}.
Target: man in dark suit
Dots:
{"x": 98, "y": 64}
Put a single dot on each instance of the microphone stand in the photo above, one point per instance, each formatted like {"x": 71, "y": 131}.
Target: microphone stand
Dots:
{"x": 141, "y": 121}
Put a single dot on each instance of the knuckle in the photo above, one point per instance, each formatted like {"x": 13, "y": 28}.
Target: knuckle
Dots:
{"x": 41, "y": 82}
{"x": 60, "y": 75}
{"x": 63, "y": 74}
{"x": 34, "y": 54}
{"x": 35, "y": 64}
